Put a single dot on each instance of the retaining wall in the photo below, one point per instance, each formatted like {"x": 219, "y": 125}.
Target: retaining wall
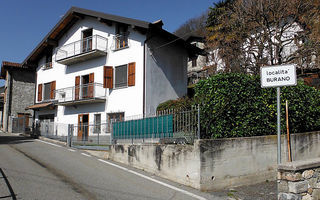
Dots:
{"x": 216, "y": 164}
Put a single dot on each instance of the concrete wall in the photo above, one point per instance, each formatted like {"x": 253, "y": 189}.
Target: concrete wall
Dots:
{"x": 217, "y": 164}
{"x": 166, "y": 72}
{"x": 180, "y": 163}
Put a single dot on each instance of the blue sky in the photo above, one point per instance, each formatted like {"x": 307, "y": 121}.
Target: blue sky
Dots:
{"x": 24, "y": 23}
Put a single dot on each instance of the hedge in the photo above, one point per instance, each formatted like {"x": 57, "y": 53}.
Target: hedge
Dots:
{"x": 235, "y": 105}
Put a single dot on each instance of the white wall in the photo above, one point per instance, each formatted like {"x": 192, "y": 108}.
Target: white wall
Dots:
{"x": 128, "y": 99}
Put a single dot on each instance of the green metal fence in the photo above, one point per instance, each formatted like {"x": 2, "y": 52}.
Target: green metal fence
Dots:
{"x": 152, "y": 127}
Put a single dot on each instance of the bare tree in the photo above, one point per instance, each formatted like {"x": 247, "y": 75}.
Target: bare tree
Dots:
{"x": 253, "y": 33}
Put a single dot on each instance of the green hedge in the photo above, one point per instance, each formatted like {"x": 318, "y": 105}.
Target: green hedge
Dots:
{"x": 235, "y": 105}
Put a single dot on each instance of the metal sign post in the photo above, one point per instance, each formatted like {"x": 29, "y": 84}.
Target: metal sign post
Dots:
{"x": 278, "y": 76}
{"x": 278, "y": 125}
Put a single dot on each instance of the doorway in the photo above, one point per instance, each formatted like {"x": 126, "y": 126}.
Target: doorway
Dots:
{"x": 83, "y": 127}
{"x": 87, "y": 40}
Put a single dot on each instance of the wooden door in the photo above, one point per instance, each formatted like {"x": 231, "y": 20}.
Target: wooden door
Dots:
{"x": 91, "y": 85}
{"x": 77, "y": 88}
{"x": 83, "y": 127}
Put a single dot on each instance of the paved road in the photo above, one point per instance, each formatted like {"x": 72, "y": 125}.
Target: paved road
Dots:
{"x": 32, "y": 169}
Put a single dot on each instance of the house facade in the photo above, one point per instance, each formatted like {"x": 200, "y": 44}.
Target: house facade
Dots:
{"x": 94, "y": 67}
{"x": 18, "y": 94}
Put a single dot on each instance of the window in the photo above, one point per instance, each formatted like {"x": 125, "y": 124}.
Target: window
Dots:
{"x": 46, "y": 91}
{"x": 114, "y": 117}
{"x": 97, "y": 123}
{"x": 121, "y": 39}
{"x": 121, "y": 76}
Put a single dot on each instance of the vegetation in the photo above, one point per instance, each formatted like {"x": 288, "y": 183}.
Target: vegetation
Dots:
{"x": 235, "y": 105}
{"x": 252, "y": 33}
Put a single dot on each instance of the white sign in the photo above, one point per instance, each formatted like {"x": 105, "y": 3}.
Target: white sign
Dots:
{"x": 279, "y": 75}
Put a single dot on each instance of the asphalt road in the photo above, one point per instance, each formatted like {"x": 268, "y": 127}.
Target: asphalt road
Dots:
{"x": 32, "y": 169}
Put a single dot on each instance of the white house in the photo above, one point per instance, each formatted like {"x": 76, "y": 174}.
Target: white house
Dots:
{"x": 93, "y": 67}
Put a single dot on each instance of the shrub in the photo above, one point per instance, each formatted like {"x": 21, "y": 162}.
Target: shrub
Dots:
{"x": 235, "y": 105}
{"x": 183, "y": 103}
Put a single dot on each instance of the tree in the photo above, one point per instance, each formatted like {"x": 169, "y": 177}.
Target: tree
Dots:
{"x": 194, "y": 26}
{"x": 252, "y": 33}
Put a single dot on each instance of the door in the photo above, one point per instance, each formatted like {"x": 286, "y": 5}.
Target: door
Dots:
{"x": 87, "y": 40}
{"x": 83, "y": 127}
{"x": 77, "y": 88}
{"x": 91, "y": 85}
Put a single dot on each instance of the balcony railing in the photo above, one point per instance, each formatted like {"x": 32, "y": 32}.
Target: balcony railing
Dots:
{"x": 120, "y": 42}
{"x": 86, "y": 93}
{"x": 94, "y": 45}
{"x": 46, "y": 66}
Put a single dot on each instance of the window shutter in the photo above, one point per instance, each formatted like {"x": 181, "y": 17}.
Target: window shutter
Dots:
{"x": 91, "y": 86}
{"x": 52, "y": 90}
{"x": 77, "y": 88}
{"x": 108, "y": 77}
{"x": 40, "y": 92}
{"x": 131, "y": 74}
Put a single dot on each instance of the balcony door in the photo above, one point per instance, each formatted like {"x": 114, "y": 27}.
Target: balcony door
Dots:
{"x": 87, "y": 85}
{"x": 83, "y": 127}
{"x": 87, "y": 40}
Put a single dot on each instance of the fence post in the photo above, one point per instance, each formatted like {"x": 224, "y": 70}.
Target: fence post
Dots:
{"x": 198, "y": 122}
{"x": 70, "y": 133}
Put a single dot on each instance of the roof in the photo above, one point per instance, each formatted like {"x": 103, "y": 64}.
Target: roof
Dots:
{"x": 10, "y": 65}
{"x": 40, "y": 105}
{"x": 73, "y": 15}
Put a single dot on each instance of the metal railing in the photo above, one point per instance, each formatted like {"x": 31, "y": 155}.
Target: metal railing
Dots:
{"x": 95, "y": 42}
{"x": 120, "y": 42}
{"x": 168, "y": 126}
{"x": 81, "y": 92}
{"x": 52, "y": 130}
{"x": 90, "y": 136}
{"x": 46, "y": 66}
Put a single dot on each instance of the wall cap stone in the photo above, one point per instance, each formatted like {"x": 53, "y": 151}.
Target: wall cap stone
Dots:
{"x": 299, "y": 165}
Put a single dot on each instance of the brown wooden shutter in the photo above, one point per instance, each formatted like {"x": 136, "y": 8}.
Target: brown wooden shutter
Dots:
{"x": 77, "y": 88}
{"x": 40, "y": 92}
{"x": 131, "y": 74}
{"x": 108, "y": 77}
{"x": 91, "y": 86}
{"x": 52, "y": 90}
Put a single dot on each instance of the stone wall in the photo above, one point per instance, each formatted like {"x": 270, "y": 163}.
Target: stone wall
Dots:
{"x": 299, "y": 180}
{"x": 23, "y": 89}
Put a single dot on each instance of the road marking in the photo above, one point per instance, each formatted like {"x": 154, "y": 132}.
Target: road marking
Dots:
{"x": 71, "y": 150}
{"x": 49, "y": 143}
{"x": 86, "y": 154}
{"x": 154, "y": 180}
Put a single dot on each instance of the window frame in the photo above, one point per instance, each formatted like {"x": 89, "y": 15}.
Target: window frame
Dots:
{"x": 97, "y": 127}
{"x": 115, "y": 76}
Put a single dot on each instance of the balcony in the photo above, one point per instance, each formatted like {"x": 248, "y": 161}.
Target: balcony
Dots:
{"x": 82, "y": 94}
{"x": 82, "y": 50}
{"x": 120, "y": 42}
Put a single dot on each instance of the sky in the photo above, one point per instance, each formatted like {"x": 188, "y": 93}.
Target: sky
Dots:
{"x": 24, "y": 23}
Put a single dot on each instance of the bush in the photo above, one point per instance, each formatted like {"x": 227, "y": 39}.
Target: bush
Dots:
{"x": 235, "y": 105}
{"x": 183, "y": 103}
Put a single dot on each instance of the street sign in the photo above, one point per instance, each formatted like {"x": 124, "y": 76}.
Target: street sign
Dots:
{"x": 278, "y": 76}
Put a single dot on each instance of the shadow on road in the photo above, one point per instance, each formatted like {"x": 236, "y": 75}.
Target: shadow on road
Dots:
{"x": 12, "y": 139}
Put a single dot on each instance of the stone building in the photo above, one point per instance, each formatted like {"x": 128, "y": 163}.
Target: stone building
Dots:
{"x": 18, "y": 93}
